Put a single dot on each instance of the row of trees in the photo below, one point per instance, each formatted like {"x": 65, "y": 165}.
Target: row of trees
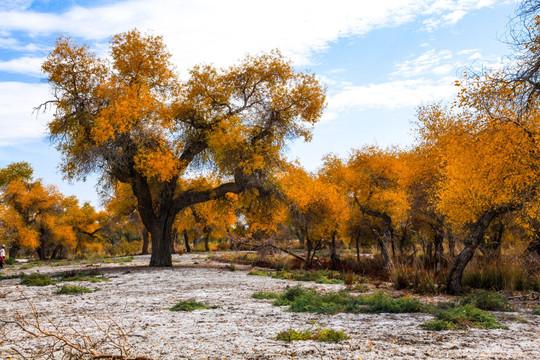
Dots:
{"x": 37, "y": 217}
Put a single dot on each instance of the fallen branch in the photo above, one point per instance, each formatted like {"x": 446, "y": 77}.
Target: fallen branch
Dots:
{"x": 74, "y": 340}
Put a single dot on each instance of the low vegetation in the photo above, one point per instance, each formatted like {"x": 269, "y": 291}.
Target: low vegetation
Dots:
{"x": 462, "y": 317}
{"x": 300, "y": 299}
{"x": 91, "y": 276}
{"x": 321, "y": 335}
{"x": 487, "y": 300}
{"x": 189, "y": 305}
{"x": 36, "y": 279}
{"x": 324, "y": 276}
{"x": 508, "y": 274}
{"x": 72, "y": 289}
{"x": 265, "y": 295}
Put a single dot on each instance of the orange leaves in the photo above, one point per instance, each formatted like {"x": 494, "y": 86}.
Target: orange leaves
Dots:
{"x": 159, "y": 163}
{"x": 236, "y": 118}
{"x": 142, "y": 59}
{"x": 319, "y": 205}
{"x": 34, "y": 212}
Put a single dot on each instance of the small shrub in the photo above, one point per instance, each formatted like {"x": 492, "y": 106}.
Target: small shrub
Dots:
{"x": 349, "y": 279}
{"x": 294, "y": 335}
{"x": 189, "y": 305}
{"x": 462, "y": 317}
{"x": 380, "y": 302}
{"x": 401, "y": 281}
{"x": 258, "y": 272}
{"x": 231, "y": 266}
{"x": 330, "y": 335}
{"x": 422, "y": 283}
{"x": 72, "y": 289}
{"x": 36, "y": 280}
{"x": 536, "y": 311}
{"x": 322, "y": 335}
{"x": 93, "y": 276}
{"x": 265, "y": 295}
{"x": 325, "y": 280}
{"x": 487, "y": 300}
{"x": 358, "y": 288}
{"x": 10, "y": 261}
{"x": 301, "y": 299}
{"x": 291, "y": 294}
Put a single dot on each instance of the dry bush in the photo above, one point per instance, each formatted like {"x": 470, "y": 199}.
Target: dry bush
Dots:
{"x": 108, "y": 340}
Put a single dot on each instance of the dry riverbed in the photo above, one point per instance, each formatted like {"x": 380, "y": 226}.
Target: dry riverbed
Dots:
{"x": 137, "y": 299}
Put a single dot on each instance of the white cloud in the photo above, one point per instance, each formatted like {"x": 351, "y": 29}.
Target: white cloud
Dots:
{"x": 223, "y": 31}
{"x": 392, "y": 95}
{"x": 17, "y": 119}
{"x": 9, "y": 5}
{"x": 25, "y": 65}
{"x": 433, "y": 63}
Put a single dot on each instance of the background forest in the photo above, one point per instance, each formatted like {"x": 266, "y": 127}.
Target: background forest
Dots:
{"x": 199, "y": 165}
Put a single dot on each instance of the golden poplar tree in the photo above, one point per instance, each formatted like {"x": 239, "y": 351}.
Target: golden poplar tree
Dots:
{"x": 132, "y": 120}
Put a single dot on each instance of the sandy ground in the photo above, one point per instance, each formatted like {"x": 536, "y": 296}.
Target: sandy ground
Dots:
{"x": 240, "y": 327}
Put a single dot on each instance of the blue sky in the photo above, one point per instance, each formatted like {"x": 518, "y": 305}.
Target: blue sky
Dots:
{"x": 380, "y": 59}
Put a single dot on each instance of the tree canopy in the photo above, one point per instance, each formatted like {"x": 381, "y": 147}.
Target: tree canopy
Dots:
{"x": 133, "y": 120}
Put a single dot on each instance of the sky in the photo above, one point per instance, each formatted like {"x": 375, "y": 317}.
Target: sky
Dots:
{"x": 380, "y": 60}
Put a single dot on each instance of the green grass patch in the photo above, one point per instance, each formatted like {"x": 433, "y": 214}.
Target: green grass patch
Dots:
{"x": 300, "y": 299}
{"x": 358, "y": 288}
{"x": 325, "y": 280}
{"x": 119, "y": 260}
{"x": 264, "y": 295}
{"x": 462, "y": 317}
{"x": 36, "y": 280}
{"x": 9, "y": 261}
{"x": 72, "y": 289}
{"x": 330, "y": 335}
{"x": 189, "y": 305}
{"x": 259, "y": 272}
{"x": 380, "y": 302}
{"x": 321, "y": 335}
{"x": 321, "y": 276}
{"x": 487, "y": 300}
{"x": 29, "y": 265}
{"x": 93, "y": 276}
{"x": 294, "y": 335}
{"x": 536, "y": 311}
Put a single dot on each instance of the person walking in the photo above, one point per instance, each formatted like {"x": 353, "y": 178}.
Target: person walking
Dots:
{"x": 2, "y": 256}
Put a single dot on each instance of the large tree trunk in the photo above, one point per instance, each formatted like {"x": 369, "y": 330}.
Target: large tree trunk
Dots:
{"x": 146, "y": 241}
{"x": 438, "y": 254}
{"x": 472, "y": 242}
{"x": 14, "y": 252}
{"x": 301, "y": 239}
{"x": 334, "y": 257}
{"x": 385, "y": 237}
{"x": 492, "y": 247}
{"x": 162, "y": 241}
{"x": 41, "y": 253}
{"x": 384, "y": 242}
{"x": 451, "y": 243}
{"x": 207, "y": 239}
{"x": 57, "y": 252}
{"x": 357, "y": 246}
{"x": 186, "y": 241}
{"x": 309, "y": 249}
